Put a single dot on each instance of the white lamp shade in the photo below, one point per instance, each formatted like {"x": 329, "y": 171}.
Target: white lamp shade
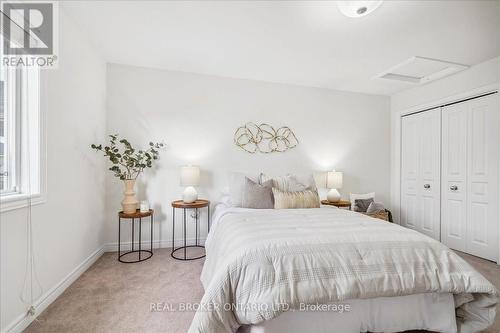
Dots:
{"x": 334, "y": 179}
{"x": 190, "y": 175}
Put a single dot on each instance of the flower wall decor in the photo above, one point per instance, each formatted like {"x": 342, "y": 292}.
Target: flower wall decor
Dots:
{"x": 264, "y": 138}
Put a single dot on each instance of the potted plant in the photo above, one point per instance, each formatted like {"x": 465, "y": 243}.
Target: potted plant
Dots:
{"x": 128, "y": 163}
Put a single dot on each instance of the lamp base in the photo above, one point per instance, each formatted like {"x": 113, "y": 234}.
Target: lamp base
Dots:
{"x": 190, "y": 195}
{"x": 333, "y": 195}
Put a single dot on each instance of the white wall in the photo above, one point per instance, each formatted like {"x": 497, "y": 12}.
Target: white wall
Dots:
{"x": 472, "y": 81}
{"x": 68, "y": 226}
{"x": 197, "y": 115}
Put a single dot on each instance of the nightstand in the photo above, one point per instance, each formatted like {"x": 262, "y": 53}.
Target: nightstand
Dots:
{"x": 198, "y": 204}
{"x": 138, "y": 215}
{"x": 340, "y": 204}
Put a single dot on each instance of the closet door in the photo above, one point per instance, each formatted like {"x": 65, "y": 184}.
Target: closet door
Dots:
{"x": 420, "y": 192}
{"x": 482, "y": 181}
{"x": 470, "y": 176}
{"x": 454, "y": 175}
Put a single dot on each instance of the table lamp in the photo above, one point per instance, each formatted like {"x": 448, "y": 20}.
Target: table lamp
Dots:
{"x": 190, "y": 176}
{"x": 333, "y": 182}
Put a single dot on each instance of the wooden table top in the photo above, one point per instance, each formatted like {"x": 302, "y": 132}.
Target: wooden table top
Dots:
{"x": 197, "y": 204}
{"x": 341, "y": 203}
{"x": 135, "y": 215}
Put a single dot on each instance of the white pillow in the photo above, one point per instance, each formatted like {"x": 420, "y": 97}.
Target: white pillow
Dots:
{"x": 354, "y": 196}
{"x": 290, "y": 183}
{"x": 280, "y": 182}
{"x": 225, "y": 200}
{"x": 306, "y": 181}
{"x": 236, "y": 185}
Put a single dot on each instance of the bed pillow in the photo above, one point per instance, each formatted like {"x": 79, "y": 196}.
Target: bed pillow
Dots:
{"x": 375, "y": 207}
{"x": 290, "y": 183}
{"x": 354, "y": 196}
{"x": 280, "y": 182}
{"x": 304, "y": 182}
{"x": 297, "y": 199}
{"x": 361, "y": 205}
{"x": 257, "y": 196}
{"x": 236, "y": 181}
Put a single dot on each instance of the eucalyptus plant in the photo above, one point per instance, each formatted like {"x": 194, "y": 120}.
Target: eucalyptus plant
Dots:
{"x": 128, "y": 162}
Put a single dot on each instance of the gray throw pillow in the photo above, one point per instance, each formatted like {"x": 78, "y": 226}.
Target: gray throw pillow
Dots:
{"x": 375, "y": 207}
{"x": 257, "y": 196}
{"x": 361, "y": 205}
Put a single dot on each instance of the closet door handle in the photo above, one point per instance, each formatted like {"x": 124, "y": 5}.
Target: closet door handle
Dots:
{"x": 427, "y": 186}
{"x": 454, "y": 187}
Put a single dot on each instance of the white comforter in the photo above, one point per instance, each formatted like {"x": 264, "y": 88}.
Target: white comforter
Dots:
{"x": 262, "y": 262}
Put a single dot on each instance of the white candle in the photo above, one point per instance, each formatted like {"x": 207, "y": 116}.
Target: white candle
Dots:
{"x": 144, "y": 207}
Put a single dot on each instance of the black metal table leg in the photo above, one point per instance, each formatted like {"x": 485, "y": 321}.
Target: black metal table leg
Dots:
{"x": 133, "y": 220}
{"x": 140, "y": 236}
{"x": 196, "y": 217}
{"x": 173, "y": 231}
{"x": 151, "y": 233}
{"x": 119, "y": 238}
{"x": 185, "y": 248}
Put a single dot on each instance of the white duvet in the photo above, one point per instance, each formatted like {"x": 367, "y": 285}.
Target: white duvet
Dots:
{"x": 261, "y": 263}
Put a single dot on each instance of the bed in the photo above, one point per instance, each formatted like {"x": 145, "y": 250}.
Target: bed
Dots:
{"x": 273, "y": 271}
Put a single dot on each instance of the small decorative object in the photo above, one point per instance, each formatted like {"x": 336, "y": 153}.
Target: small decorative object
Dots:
{"x": 190, "y": 177}
{"x": 128, "y": 164}
{"x": 333, "y": 182}
{"x": 144, "y": 207}
{"x": 264, "y": 138}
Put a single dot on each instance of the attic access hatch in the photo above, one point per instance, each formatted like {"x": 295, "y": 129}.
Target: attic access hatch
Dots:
{"x": 420, "y": 70}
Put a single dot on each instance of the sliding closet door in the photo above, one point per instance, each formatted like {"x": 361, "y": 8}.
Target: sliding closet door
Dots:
{"x": 470, "y": 176}
{"x": 420, "y": 192}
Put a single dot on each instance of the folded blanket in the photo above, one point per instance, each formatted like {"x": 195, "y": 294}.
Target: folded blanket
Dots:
{"x": 262, "y": 262}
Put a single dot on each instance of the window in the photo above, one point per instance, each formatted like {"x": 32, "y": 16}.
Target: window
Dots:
{"x": 9, "y": 116}
{"x": 20, "y": 138}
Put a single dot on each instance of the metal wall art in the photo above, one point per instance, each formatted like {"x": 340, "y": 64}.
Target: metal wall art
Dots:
{"x": 264, "y": 138}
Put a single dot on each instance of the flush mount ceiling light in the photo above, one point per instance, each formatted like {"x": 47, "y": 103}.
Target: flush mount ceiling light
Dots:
{"x": 357, "y": 8}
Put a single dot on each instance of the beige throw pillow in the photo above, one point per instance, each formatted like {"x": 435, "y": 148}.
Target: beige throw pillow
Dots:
{"x": 299, "y": 199}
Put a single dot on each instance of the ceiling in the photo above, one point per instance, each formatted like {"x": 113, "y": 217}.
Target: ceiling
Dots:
{"x": 307, "y": 43}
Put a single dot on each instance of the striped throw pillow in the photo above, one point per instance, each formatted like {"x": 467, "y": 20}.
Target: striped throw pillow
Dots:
{"x": 299, "y": 199}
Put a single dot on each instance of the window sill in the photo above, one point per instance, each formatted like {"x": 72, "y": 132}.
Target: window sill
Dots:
{"x": 19, "y": 200}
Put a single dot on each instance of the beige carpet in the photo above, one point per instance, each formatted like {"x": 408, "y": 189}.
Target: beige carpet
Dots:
{"x": 116, "y": 297}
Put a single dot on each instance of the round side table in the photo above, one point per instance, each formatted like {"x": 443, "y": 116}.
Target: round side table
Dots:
{"x": 179, "y": 204}
{"x": 140, "y": 251}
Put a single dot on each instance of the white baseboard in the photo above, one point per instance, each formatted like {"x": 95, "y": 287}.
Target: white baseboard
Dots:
{"x": 21, "y": 322}
{"x": 157, "y": 244}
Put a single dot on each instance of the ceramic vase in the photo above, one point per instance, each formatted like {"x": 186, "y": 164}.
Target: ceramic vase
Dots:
{"x": 129, "y": 202}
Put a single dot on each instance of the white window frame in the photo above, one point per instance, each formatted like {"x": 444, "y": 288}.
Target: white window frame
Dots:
{"x": 29, "y": 144}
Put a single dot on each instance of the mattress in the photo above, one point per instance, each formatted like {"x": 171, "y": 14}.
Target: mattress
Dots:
{"x": 433, "y": 312}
